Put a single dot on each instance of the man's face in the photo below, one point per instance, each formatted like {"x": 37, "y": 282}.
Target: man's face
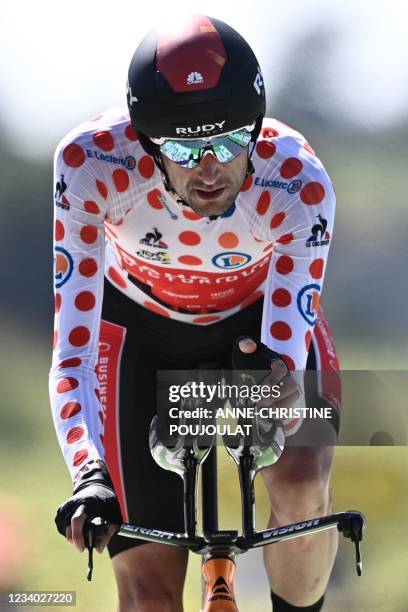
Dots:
{"x": 211, "y": 187}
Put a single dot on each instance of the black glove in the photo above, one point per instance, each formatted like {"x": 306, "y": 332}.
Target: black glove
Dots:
{"x": 95, "y": 491}
{"x": 260, "y": 359}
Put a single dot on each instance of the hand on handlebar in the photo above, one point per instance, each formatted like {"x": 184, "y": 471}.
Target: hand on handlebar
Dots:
{"x": 93, "y": 496}
{"x": 75, "y": 532}
{"x": 255, "y": 355}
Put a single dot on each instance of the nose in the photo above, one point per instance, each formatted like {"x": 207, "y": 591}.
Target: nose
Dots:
{"x": 209, "y": 169}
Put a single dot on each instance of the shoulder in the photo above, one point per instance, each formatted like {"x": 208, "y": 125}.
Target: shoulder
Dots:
{"x": 284, "y": 159}
{"x": 107, "y": 138}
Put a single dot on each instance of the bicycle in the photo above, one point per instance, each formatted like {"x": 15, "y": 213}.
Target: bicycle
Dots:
{"x": 219, "y": 548}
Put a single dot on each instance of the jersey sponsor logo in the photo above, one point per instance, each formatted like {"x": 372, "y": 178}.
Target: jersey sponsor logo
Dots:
{"x": 292, "y": 187}
{"x": 154, "y": 239}
{"x": 60, "y": 200}
{"x": 154, "y": 248}
{"x": 231, "y": 260}
{"x": 128, "y": 162}
{"x": 320, "y": 236}
{"x": 188, "y": 283}
{"x": 200, "y": 129}
{"x": 308, "y": 302}
{"x": 63, "y": 265}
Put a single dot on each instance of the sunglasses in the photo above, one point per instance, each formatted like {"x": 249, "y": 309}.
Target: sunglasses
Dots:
{"x": 189, "y": 152}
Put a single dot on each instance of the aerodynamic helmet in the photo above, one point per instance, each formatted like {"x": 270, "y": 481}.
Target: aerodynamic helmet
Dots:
{"x": 194, "y": 78}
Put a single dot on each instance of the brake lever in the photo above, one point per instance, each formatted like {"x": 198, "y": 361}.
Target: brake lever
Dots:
{"x": 352, "y": 526}
{"x": 93, "y": 530}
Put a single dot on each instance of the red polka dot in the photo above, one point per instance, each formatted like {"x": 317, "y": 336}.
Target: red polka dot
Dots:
{"x": 79, "y": 336}
{"x": 308, "y": 339}
{"x": 88, "y": 267}
{"x": 117, "y": 223}
{"x": 228, "y": 240}
{"x": 263, "y": 203}
{"x": 130, "y": 133}
{"x": 102, "y": 188}
{"x": 251, "y": 299}
{"x": 156, "y": 308}
{"x": 268, "y": 132}
{"x": 312, "y": 193}
{"x": 191, "y": 215}
{"x": 316, "y": 268}
{"x": 103, "y": 140}
{"x": 291, "y": 167}
{"x": 89, "y": 234}
{"x": 55, "y": 339}
{"x": 58, "y": 300}
{"x": 116, "y": 277}
{"x": 146, "y": 166}
{"x": 265, "y": 149}
{"x": 309, "y": 148}
{"x": 85, "y": 301}
{"x": 268, "y": 247}
{"x": 190, "y": 260}
{"x": 80, "y": 457}
{"x": 284, "y": 265}
{"x": 155, "y": 199}
{"x": 289, "y": 362}
{"x": 67, "y": 384}
{"x": 59, "y": 230}
{"x": 207, "y": 319}
{"x": 91, "y": 207}
{"x": 100, "y": 413}
{"x": 247, "y": 184}
{"x": 70, "y": 409}
{"x": 75, "y": 434}
{"x": 281, "y": 330}
{"x": 189, "y": 238}
{"x": 121, "y": 180}
{"x": 74, "y": 155}
{"x": 286, "y": 239}
{"x": 281, "y": 297}
{"x": 277, "y": 220}
{"x": 70, "y": 363}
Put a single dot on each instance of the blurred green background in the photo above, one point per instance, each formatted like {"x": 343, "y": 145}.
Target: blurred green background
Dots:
{"x": 365, "y": 299}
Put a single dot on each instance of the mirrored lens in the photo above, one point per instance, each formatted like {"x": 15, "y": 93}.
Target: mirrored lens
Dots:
{"x": 188, "y": 153}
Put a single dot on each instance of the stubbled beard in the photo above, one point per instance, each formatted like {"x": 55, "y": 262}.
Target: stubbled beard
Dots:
{"x": 201, "y": 208}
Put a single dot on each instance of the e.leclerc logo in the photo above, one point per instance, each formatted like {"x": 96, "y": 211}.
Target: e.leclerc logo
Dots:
{"x": 308, "y": 302}
{"x": 64, "y": 266}
{"x": 292, "y": 187}
{"x": 128, "y": 162}
{"x": 231, "y": 260}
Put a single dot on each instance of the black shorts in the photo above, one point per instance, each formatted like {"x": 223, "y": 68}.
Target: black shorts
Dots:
{"x": 134, "y": 344}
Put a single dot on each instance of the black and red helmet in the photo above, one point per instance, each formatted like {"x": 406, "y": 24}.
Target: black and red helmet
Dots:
{"x": 192, "y": 79}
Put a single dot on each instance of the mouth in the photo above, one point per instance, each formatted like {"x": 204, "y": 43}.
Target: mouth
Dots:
{"x": 209, "y": 194}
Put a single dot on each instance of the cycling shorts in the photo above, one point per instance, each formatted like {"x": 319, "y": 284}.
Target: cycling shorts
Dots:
{"x": 134, "y": 344}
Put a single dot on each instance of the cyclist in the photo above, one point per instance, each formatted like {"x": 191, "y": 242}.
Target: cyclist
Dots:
{"x": 181, "y": 224}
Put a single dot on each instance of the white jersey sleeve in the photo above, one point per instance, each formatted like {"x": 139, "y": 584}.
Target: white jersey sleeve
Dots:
{"x": 298, "y": 220}
{"x": 78, "y": 267}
